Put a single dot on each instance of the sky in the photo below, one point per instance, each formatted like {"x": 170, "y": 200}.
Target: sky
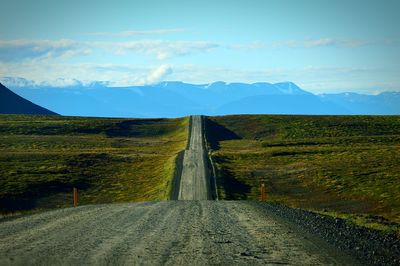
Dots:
{"x": 323, "y": 46}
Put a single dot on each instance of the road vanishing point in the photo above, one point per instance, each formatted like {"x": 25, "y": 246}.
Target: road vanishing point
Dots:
{"x": 193, "y": 230}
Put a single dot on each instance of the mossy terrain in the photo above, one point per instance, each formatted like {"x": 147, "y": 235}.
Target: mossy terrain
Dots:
{"x": 347, "y": 166}
{"x": 109, "y": 160}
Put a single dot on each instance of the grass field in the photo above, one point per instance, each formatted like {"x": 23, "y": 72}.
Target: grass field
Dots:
{"x": 346, "y": 166}
{"x": 109, "y": 160}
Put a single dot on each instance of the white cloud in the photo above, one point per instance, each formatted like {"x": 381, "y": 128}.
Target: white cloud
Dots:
{"x": 156, "y": 75}
{"x": 25, "y": 50}
{"x": 306, "y": 43}
{"x": 161, "y": 49}
{"x": 62, "y": 75}
{"x": 130, "y": 33}
{"x": 18, "y": 50}
{"x": 310, "y": 43}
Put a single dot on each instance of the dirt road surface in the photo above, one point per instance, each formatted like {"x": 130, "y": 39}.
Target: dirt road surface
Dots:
{"x": 161, "y": 233}
{"x": 194, "y": 183}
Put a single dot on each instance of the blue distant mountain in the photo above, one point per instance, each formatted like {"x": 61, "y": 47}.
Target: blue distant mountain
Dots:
{"x": 174, "y": 99}
{"x": 386, "y": 103}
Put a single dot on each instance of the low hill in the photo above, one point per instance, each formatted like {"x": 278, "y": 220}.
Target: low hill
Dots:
{"x": 11, "y": 103}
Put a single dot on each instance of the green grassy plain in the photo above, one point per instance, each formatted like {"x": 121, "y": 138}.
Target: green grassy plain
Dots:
{"x": 109, "y": 160}
{"x": 346, "y": 166}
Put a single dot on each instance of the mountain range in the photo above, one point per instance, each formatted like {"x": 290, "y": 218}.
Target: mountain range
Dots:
{"x": 174, "y": 99}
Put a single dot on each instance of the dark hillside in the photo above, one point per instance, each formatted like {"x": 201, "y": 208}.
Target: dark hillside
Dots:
{"x": 11, "y": 103}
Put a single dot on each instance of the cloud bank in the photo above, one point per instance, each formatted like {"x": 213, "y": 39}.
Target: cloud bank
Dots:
{"x": 65, "y": 61}
{"x": 18, "y": 50}
{"x": 306, "y": 43}
{"x": 160, "y": 49}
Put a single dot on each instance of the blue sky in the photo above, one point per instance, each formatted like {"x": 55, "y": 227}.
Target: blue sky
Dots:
{"x": 323, "y": 46}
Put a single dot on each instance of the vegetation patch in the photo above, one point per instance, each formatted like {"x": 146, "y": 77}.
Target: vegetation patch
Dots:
{"x": 345, "y": 166}
{"x": 109, "y": 160}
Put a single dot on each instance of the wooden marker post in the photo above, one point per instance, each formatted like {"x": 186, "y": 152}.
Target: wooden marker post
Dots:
{"x": 262, "y": 192}
{"x": 75, "y": 197}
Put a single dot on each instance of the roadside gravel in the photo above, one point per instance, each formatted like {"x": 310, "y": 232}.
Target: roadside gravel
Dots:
{"x": 164, "y": 233}
{"x": 368, "y": 246}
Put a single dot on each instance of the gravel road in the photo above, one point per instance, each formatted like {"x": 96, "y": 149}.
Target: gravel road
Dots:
{"x": 162, "y": 233}
{"x": 194, "y": 182}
